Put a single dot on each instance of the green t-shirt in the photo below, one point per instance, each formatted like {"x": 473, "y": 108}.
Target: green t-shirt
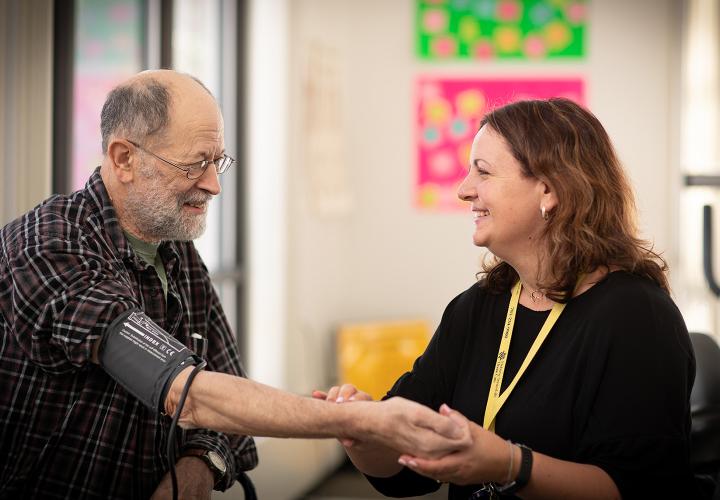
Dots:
{"x": 149, "y": 253}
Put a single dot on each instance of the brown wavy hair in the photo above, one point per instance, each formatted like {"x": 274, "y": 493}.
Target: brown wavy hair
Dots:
{"x": 594, "y": 224}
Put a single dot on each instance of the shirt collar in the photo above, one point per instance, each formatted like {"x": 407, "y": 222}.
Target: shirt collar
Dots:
{"x": 97, "y": 193}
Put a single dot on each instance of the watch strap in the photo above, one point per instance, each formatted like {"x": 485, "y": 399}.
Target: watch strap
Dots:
{"x": 202, "y": 454}
{"x": 523, "y": 477}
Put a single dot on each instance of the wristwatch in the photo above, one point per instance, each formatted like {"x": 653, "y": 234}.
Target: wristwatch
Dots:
{"x": 523, "y": 476}
{"x": 212, "y": 459}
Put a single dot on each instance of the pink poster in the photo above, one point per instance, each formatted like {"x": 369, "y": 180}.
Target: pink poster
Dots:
{"x": 448, "y": 114}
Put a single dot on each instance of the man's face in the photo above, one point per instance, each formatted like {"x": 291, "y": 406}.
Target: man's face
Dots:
{"x": 162, "y": 202}
{"x": 164, "y": 210}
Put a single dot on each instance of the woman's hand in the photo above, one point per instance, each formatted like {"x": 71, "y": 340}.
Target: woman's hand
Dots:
{"x": 408, "y": 427}
{"x": 341, "y": 394}
{"x": 486, "y": 457}
{"x": 392, "y": 426}
{"x": 400, "y": 424}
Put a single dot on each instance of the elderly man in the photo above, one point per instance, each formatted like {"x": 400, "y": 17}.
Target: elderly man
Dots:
{"x": 75, "y": 264}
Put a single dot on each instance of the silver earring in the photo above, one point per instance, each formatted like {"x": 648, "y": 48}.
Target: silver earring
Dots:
{"x": 543, "y": 213}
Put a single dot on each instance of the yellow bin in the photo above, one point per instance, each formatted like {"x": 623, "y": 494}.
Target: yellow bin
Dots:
{"x": 372, "y": 356}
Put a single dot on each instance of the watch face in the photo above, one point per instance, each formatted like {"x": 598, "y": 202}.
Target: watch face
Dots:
{"x": 217, "y": 461}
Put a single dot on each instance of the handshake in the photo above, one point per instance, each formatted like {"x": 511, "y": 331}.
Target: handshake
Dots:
{"x": 398, "y": 432}
{"x": 380, "y": 437}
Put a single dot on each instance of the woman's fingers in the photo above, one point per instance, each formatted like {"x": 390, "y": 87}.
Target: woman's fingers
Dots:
{"x": 349, "y": 392}
{"x": 435, "y": 469}
{"x": 319, "y": 395}
{"x": 341, "y": 394}
{"x": 332, "y": 394}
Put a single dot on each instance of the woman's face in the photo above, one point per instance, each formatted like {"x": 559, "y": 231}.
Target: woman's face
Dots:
{"x": 506, "y": 205}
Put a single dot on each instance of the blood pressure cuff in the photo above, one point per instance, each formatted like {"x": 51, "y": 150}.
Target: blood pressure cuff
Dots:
{"x": 143, "y": 358}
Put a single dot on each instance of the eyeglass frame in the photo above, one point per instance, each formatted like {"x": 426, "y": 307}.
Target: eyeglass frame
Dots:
{"x": 188, "y": 167}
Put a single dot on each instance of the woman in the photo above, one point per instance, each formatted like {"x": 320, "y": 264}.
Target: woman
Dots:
{"x": 601, "y": 405}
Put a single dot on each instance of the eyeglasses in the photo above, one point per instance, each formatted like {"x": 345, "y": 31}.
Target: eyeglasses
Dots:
{"x": 197, "y": 169}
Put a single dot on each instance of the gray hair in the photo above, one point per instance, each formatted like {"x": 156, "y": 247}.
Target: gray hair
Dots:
{"x": 139, "y": 108}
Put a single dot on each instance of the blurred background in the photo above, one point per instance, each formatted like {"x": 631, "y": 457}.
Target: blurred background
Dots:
{"x": 337, "y": 241}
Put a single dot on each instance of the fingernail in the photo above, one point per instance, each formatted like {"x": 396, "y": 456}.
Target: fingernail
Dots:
{"x": 412, "y": 463}
{"x": 340, "y": 399}
{"x": 402, "y": 461}
{"x": 351, "y": 398}
{"x": 444, "y": 407}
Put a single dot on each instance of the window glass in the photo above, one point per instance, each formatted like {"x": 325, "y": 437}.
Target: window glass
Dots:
{"x": 196, "y": 50}
{"x": 108, "y": 49}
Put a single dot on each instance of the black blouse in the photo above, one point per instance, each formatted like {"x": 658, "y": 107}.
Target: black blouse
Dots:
{"x": 610, "y": 386}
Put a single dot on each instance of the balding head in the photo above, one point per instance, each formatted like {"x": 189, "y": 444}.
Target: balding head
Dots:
{"x": 155, "y": 126}
{"x": 141, "y": 106}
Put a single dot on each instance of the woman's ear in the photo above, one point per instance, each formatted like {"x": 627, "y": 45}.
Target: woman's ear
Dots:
{"x": 548, "y": 196}
{"x": 122, "y": 156}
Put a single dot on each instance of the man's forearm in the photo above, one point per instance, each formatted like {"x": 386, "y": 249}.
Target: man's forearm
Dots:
{"x": 241, "y": 406}
{"x": 237, "y": 405}
{"x": 195, "y": 480}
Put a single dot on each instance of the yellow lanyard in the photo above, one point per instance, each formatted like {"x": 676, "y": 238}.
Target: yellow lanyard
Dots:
{"x": 495, "y": 400}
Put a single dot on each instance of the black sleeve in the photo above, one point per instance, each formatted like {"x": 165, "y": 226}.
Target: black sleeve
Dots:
{"x": 430, "y": 383}
{"x": 639, "y": 380}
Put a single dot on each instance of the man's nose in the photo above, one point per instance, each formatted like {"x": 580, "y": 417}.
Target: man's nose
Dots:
{"x": 209, "y": 181}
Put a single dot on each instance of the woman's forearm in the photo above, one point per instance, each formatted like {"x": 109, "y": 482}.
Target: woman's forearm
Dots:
{"x": 554, "y": 478}
{"x": 487, "y": 459}
{"x": 377, "y": 461}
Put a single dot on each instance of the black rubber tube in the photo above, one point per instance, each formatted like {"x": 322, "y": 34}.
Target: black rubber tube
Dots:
{"x": 247, "y": 485}
{"x": 708, "y": 250}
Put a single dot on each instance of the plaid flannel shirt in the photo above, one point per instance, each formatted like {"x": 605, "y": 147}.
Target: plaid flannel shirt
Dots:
{"x": 67, "y": 430}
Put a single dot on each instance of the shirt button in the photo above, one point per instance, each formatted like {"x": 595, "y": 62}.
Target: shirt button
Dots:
{"x": 154, "y": 292}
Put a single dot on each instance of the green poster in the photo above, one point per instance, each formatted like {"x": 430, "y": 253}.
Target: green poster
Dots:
{"x": 501, "y": 29}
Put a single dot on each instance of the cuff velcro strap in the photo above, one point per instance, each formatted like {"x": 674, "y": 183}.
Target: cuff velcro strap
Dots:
{"x": 143, "y": 358}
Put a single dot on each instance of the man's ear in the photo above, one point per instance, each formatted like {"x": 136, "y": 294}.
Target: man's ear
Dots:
{"x": 123, "y": 158}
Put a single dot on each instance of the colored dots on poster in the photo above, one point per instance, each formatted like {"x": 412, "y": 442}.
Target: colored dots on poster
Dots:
{"x": 501, "y": 29}
{"x": 437, "y": 111}
{"x": 442, "y": 164}
{"x": 507, "y": 39}
{"x": 435, "y": 21}
{"x": 449, "y": 114}
{"x": 557, "y": 35}
{"x": 509, "y": 11}
{"x": 430, "y": 136}
{"x": 535, "y": 47}
{"x": 470, "y": 103}
{"x": 468, "y": 29}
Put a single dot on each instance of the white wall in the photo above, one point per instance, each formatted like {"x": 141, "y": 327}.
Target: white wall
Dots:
{"x": 366, "y": 253}
{"x": 384, "y": 259}
{"x": 26, "y": 30}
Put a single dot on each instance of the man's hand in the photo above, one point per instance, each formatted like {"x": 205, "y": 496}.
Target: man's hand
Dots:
{"x": 378, "y": 432}
{"x": 195, "y": 481}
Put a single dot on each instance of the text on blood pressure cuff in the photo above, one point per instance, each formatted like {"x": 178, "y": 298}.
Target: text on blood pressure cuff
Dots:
{"x": 143, "y": 358}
